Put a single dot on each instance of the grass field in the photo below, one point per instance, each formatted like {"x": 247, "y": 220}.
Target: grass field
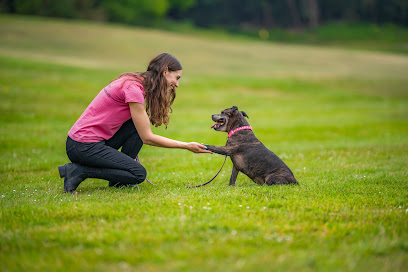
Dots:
{"x": 337, "y": 117}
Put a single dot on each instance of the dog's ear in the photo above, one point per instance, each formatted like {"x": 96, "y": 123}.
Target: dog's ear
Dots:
{"x": 244, "y": 114}
{"x": 234, "y": 108}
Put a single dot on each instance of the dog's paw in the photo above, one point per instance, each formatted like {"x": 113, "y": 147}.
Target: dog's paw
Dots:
{"x": 209, "y": 147}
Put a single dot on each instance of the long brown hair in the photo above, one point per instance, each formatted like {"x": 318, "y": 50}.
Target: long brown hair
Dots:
{"x": 158, "y": 97}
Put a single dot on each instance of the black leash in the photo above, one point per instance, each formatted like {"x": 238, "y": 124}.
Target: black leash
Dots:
{"x": 189, "y": 187}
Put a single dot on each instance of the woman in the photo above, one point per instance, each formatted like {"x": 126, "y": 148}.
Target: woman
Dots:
{"x": 120, "y": 116}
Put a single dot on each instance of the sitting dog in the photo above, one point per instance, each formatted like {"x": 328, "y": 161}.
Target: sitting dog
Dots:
{"x": 247, "y": 153}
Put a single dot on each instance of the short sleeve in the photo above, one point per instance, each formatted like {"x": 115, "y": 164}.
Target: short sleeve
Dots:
{"x": 134, "y": 92}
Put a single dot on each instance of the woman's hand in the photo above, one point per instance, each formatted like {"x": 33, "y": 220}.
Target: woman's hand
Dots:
{"x": 197, "y": 148}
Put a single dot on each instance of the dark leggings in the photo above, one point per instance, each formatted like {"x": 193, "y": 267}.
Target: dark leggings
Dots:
{"x": 103, "y": 160}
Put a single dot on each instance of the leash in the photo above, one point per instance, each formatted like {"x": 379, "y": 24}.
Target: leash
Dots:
{"x": 189, "y": 187}
{"x": 229, "y": 135}
{"x": 150, "y": 182}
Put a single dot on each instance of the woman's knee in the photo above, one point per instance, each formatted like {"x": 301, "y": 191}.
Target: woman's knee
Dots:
{"x": 139, "y": 173}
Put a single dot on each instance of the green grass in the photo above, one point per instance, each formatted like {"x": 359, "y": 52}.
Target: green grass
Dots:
{"x": 338, "y": 118}
{"x": 387, "y": 37}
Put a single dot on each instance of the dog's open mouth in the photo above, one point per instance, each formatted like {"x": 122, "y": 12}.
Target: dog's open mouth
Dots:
{"x": 219, "y": 124}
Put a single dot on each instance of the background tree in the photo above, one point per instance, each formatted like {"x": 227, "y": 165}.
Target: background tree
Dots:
{"x": 230, "y": 14}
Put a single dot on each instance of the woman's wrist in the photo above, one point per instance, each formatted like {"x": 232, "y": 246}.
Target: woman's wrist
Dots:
{"x": 182, "y": 145}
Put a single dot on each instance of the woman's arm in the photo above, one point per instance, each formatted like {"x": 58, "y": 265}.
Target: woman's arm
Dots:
{"x": 142, "y": 124}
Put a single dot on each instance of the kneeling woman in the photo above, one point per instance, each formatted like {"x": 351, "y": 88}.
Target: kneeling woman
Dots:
{"x": 120, "y": 116}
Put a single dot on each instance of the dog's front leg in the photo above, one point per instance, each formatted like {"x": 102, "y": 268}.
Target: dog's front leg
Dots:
{"x": 223, "y": 150}
{"x": 234, "y": 175}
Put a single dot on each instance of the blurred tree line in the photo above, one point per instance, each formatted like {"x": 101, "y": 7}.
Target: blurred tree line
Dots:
{"x": 231, "y": 14}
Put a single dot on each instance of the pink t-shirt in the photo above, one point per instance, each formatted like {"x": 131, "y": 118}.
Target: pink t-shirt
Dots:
{"x": 108, "y": 111}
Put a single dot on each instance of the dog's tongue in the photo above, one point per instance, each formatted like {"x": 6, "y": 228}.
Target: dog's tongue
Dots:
{"x": 213, "y": 125}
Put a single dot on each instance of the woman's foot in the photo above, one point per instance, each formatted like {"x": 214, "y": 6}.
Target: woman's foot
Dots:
{"x": 73, "y": 175}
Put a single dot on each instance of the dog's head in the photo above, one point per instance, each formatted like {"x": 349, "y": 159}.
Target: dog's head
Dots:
{"x": 229, "y": 119}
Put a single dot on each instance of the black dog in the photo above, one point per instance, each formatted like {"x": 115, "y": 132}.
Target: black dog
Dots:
{"x": 247, "y": 153}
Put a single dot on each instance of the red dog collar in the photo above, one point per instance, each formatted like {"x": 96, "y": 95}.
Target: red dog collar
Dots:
{"x": 238, "y": 129}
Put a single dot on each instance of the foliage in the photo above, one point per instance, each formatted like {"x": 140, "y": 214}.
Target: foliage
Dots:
{"x": 140, "y": 12}
{"x": 60, "y": 8}
{"x": 239, "y": 14}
